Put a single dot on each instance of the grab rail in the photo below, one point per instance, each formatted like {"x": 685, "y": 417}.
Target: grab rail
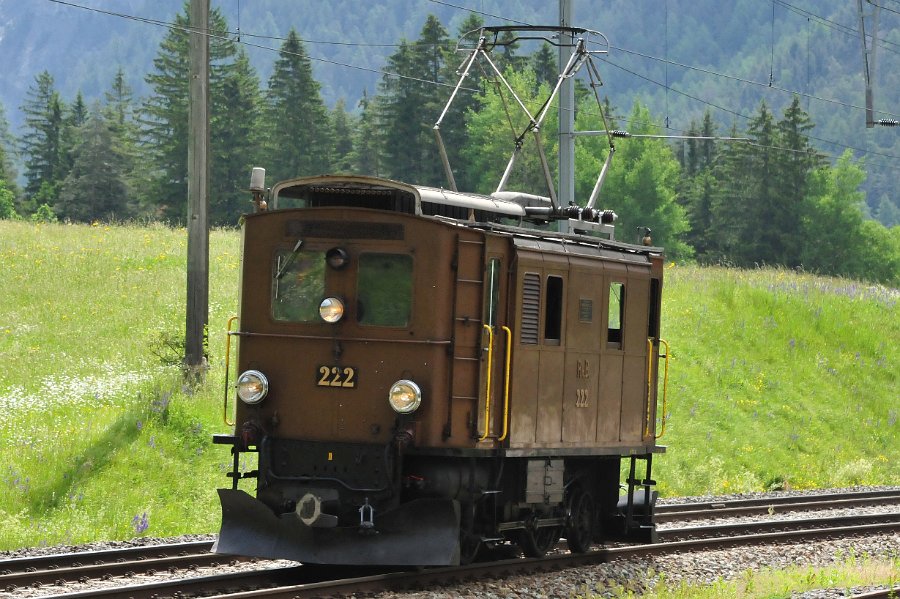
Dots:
{"x": 650, "y": 386}
{"x": 665, "y": 390}
{"x": 508, "y": 332}
{"x": 228, "y": 335}
{"x": 487, "y": 394}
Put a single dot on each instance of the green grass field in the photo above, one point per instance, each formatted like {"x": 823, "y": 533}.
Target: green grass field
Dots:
{"x": 777, "y": 380}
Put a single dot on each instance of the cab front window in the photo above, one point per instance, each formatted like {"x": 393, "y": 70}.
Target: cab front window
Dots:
{"x": 298, "y": 285}
{"x": 384, "y": 289}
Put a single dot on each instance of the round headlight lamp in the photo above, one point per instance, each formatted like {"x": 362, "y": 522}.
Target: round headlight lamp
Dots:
{"x": 405, "y": 397}
{"x": 331, "y": 309}
{"x": 252, "y": 386}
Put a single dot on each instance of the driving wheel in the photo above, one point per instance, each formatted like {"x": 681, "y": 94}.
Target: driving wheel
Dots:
{"x": 537, "y": 541}
{"x": 580, "y": 528}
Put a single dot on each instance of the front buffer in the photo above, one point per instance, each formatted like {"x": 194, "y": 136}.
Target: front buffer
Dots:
{"x": 423, "y": 532}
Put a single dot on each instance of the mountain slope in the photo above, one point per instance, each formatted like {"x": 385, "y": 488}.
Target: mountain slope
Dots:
{"x": 680, "y": 57}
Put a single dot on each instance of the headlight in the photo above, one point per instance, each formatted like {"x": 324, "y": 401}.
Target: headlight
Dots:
{"x": 331, "y": 309}
{"x": 405, "y": 397}
{"x": 252, "y": 386}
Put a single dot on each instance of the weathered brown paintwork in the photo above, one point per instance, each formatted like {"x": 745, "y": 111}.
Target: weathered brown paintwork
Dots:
{"x": 577, "y": 393}
{"x": 530, "y": 398}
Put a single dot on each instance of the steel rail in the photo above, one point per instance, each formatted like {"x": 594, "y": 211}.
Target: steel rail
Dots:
{"x": 797, "y": 503}
{"x": 776, "y": 526}
{"x": 69, "y": 567}
{"x": 287, "y": 583}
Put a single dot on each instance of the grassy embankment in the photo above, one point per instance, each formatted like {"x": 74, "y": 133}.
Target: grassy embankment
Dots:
{"x": 778, "y": 380}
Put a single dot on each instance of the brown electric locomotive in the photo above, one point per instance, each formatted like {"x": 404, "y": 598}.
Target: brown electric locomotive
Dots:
{"x": 421, "y": 372}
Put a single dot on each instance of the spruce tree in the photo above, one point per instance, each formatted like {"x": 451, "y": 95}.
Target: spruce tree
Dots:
{"x": 758, "y": 203}
{"x": 95, "y": 188}
{"x": 699, "y": 187}
{"x": 119, "y": 115}
{"x": 797, "y": 160}
{"x": 70, "y": 142}
{"x": 236, "y": 152}
{"x": 412, "y": 96}
{"x": 298, "y": 132}
{"x": 42, "y": 142}
{"x": 342, "y": 125}
{"x": 164, "y": 114}
{"x": 7, "y": 153}
{"x": 545, "y": 65}
{"x": 368, "y": 146}
{"x": 728, "y": 205}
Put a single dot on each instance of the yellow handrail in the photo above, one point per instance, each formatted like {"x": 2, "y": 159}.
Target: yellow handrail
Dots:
{"x": 665, "y": 390}
{"x": 227, "y": 367}
{"x": 650, "y": 387}
{"x": 506, "y": 383}
{"x": 649, "y": 384}
{"x": 487, "y": 395}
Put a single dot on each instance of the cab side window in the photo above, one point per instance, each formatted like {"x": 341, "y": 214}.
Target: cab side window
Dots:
{"x": 553, "y": 309}
{"x": 492, "y": 292}
{"x": 616, "y": 317}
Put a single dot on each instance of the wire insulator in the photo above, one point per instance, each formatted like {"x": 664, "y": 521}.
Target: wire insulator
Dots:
{"x": 887, "y": 122}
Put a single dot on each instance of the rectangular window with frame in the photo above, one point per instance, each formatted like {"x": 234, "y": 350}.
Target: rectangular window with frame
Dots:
{"x": 384, "y": 290}
{"x": 298, "y": 285}
{"x": 553, "y": 309}
{"x": 616, "y": 322}
{"x": 492, "y": 292}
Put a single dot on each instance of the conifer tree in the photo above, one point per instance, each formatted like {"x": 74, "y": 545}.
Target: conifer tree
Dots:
{"x": 342, "y": 125}
{"x": 411, "y": 101}
{"x": 749, "y": 194}
{"x": 7, "y": 150}
{"x": 366, "y": 155}
{"x": 70, "y": 140}
{"x": 298, "y": 132}
{"x": 42, "y": 142}
{"x": 545, "y": 65}
{"x": 236, "y": 151}
{"x": 700, "y": 186}
{"x": 95, "y": 188}
{"x": 118, "y": 113}
{"x": 796, "y": 161}
{"x": 164, "y": 114}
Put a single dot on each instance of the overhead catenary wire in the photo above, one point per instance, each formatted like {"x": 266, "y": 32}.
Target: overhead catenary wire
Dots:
{"x": 227, "y": 35}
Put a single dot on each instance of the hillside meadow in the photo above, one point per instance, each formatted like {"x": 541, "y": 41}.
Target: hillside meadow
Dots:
{"x": 778, "y": 380}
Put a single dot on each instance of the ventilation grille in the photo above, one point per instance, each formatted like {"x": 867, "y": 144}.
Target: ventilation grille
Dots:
{"x": 531, "y": 308}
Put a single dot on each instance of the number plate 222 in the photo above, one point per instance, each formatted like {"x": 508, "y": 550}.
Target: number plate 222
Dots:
{"x": 343, "y": 377}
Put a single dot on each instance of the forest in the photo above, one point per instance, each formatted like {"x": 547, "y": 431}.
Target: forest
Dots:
{"x": 765, "y": 197}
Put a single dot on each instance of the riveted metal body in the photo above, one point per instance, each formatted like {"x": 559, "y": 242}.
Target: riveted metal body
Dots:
{"x": 524, "y": 355}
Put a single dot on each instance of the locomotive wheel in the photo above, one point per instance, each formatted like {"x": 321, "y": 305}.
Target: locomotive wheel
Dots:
{"x": 580, "y": 530}
{"x": 469, "y": 544}
{"x": 536, "y": 542}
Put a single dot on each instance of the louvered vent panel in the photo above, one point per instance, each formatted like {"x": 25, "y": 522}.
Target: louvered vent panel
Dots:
{"x": 531, "y": 308}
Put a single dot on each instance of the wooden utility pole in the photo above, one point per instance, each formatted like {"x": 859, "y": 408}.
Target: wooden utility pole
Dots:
{"x": 198, "y": 192}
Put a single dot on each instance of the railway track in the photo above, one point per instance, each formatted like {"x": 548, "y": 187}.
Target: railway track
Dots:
{"x": 770, "y": 506}
{"x": 69, "y": 573}
{"x": 72, "y": 567}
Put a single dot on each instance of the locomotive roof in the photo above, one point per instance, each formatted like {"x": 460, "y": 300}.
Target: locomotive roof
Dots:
{"x": 305, "y": 187}
{"x": 463, "y": 209}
